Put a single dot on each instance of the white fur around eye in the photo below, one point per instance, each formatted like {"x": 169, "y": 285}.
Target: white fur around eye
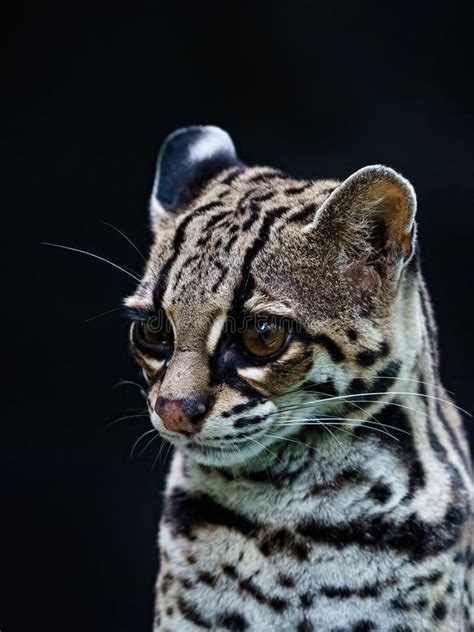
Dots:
{"x": 252, "y": 373}
{"x": 215, "y": 333}
{"x": 155, "y": 364}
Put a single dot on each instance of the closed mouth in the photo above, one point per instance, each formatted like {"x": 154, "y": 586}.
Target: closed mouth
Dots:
{"x": 218, "y": 447}
{"x": 228, "y": 449}
{"x": 207, "y": 449}
{"x": 203, "y": 448}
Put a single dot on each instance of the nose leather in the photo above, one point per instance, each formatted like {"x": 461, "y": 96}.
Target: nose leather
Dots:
{"x": 183, "y": 415}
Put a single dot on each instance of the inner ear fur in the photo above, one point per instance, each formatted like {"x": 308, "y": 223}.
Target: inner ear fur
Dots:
{"x": 372, "y": 215}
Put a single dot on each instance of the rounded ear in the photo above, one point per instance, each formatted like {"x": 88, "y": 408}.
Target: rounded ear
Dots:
{"x": 372, "y": 215}
{"x": 187, "y": 159}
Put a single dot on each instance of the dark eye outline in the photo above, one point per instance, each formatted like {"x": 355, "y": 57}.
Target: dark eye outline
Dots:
{"x": 159, "y": 325}
{"x": 261, "y": 320}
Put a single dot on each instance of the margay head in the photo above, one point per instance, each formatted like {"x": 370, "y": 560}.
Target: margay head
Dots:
{"x": 267, "y": 301}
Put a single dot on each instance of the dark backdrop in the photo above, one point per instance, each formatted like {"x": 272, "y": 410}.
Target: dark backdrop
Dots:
{"x": 318, "y": 89}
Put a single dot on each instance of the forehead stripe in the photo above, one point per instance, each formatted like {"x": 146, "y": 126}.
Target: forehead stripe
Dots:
{"x": 270, "y": 174}
{"x": 186, "y": 264}
{"x": 245, "y": 286}
{"x": 242, "y": 203}
{"x": 230, "y": 243}
{"x": 294, "y": 190}
{"x": 212, "y": 222}
{"x": 306, "y": 213}
{"x": 177, "y": 243}
{"x": 223, "y": 271}
{"x": 232, "y": 174}
{"x": 209, "y": 206}
{"x": 176, "y": 247}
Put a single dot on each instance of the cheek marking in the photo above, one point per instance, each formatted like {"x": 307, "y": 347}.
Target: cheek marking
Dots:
{"x": 215, "y": 333}
{"x": 253, "y": 373}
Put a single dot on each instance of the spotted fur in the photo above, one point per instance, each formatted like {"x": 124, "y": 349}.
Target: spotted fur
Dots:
{"x": 330, "y": 488}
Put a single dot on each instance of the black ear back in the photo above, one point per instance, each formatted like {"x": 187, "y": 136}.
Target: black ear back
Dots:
{"x": 188, "y": 158}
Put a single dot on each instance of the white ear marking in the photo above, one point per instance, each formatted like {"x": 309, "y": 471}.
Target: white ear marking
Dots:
{"x": 155, "y": 364}
{"x": 188, "y": 158}
{"x": 209, "y": 144}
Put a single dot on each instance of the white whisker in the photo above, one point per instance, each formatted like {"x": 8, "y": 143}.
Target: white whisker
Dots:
{"x": 265, "y": 448}
{"x": 124, "y": 236}
{"x": 94, "y": 256}
{"x": 379, "y": 394}
{"x": 335, "y": 421}
{"x": 131, "y": 383}
{"x": 349, "y": 420}
{"x": 170, "y": 446}
{"x": 123, "y": 382}
{"x": 311, "y": 447}
{"x": 110, "y": 311}
{"x": 325, "y": 426}
{"x": 116, "y": 421}
{"x": 148, "y": 443}
{"x": 138, "y": 441}
{"x": 411, "y": 379}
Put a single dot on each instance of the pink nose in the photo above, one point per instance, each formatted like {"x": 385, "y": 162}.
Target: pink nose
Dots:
{"x": 183, "y": 415}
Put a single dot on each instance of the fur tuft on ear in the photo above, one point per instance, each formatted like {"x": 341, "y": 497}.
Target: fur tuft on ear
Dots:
{"x": 372, "y": 216}
{"x": 187, "y": 159}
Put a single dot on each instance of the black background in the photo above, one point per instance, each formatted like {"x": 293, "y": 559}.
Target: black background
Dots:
{"x": 318, "y": 89}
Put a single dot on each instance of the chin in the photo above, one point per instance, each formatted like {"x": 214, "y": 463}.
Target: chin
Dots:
{"x": 223, "y": 455}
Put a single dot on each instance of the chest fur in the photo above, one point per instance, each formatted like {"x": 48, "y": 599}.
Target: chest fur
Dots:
{"x": 340, "y": 543}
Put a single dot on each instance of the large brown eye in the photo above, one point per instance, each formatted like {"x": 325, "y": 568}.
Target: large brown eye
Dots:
{"x": 264, "y": 338}
{"x": 153, "y": 337}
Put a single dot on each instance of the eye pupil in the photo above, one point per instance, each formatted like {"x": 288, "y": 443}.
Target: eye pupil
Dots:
{"x": 151, "y": 337}
{"x": 264, "y": 338}
{"x": 265, "y": 335}
{"x": 149, "y": 332}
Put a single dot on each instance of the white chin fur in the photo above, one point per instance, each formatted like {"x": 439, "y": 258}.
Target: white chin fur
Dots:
{"x": 235, "y": 455}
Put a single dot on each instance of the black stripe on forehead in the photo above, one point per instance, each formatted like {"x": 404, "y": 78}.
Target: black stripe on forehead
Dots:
{"x": 242, "y": 203}
{"x": 178, "y": 240}
{"x": 304, "y": 214}
{"x": 223, "y": 272}
{"x": 298, "y": 188}
{"x": 232, "y": 175}
{"x": 209, "y": 206}
{"x": 246, "y": 285}
{"x": 254, "y": 209}
{"x": 185, "y": 265}
{"x": 271, "y": 174}
{"x": 213, "y": 222}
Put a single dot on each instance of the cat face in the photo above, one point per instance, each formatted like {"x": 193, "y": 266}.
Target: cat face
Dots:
{"x": 266, "y": 301}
